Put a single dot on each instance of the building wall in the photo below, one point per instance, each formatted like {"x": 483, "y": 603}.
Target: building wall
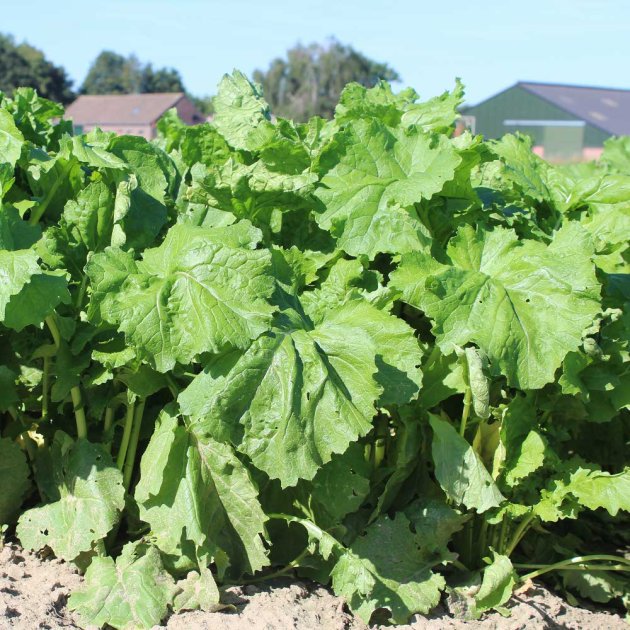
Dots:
{"x": 514, "y": 104}
{"x": 572, "y": 141}
{"x": 146, "y": 131}
{"x": 188, "y": 112}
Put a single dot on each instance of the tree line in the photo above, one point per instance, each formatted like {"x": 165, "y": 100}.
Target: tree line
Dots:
{"x": 304, "y": 83}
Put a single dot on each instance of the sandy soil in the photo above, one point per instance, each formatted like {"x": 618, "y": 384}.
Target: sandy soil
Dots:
{"x": 34, "y": 591}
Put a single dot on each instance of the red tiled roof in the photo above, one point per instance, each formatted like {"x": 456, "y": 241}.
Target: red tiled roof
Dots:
{"x": 121, "y": 109}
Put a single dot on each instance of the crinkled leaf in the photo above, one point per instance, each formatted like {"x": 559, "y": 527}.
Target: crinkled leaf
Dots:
{"x": 438, "y": 113}
{"x": 369, "y": 195}
{"x": 505, "y": 295}
{"x": 522, "y": 167}
{"x": 389, "y": 567}
{"x": 357, "y": 101}
{"x": 133, "y": 592}
{"x": 297, "y": 396}
{"x": 599, "y": 489}
{"x": 198, "y": 591}
{"x": 203, "y": 289}
{"x": 89, "y": 497}
{"x": 155, "y": 171}
{"x": 94, "y": 155}
{"x": 91, "y": 216}
{"x": 241, "y": 113}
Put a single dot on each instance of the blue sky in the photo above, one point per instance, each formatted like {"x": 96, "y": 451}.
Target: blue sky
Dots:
{"x": 490, "y": 44}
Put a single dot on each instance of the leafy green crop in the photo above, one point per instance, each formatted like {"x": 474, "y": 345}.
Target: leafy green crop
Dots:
{"x": 387, "y": 358}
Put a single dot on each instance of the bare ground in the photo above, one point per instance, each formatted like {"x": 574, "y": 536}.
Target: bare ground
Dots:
{"x": 34, "y": 591}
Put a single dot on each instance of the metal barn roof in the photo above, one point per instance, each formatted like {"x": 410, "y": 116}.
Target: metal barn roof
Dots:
{"x": 121, "y": 109}
{"x": 605, "y": 108}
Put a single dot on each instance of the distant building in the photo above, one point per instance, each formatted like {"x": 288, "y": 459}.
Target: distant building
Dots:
{"x": 132, "y": 114}
{"x": 567, "y": 122}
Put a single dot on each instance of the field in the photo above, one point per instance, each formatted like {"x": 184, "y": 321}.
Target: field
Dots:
{"x": 361, "y": 352}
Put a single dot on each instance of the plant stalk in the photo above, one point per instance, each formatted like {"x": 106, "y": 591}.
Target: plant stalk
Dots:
{"x": 38, "y": 212}
{"x": 465, "y": 411}
{"x": 82, "y": 289}
{"x": 54, "y": 331}
{"x": 79, "y": 412}
{"x": 45, "y": 387}
{"x": 133, "y": 444}
{"x": 280, "y": 572}
{"x": 120, "y": 460}
{"x": 524, "y": 525}
{"x": 483, "y": 538}
{"x": 109, "y": 419}
{"x": 581, "y": 560}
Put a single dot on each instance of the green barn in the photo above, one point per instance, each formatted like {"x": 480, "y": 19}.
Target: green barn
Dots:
{"x": 567, "y": 122}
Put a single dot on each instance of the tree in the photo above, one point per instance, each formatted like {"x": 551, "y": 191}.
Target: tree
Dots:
{"x": 309, "y": 81}
{"x": 161, "y": 80}
{"x": 22, "y": 65}
{"x": 205, "y": 104}
{"x": 111, "y": 73}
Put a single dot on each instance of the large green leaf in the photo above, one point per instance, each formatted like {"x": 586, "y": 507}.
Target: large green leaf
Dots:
{"x": 369, "y": 195}
{"x": 389, "y": 567}
{"x": 37, "y": 300}
{"x": 16, "y": 270}
{"x": 460, "y": 471}
{"x": 195, "y": 489}
{"x": 524, "y": 445}
{"x": 299, "y": 394}
{"x": 499, "y": 579}
{"x": 11, "y": 139}
{"x": 89, "y": 497}
{"x": 91, "y": 216}
{"x": 241, "y": 113}
{"x": 398, "y": 352}
{"x": 380, "y": 102}
{"x": 15, "y": 233}
{"x": 438, "y": 113}
{"x": 14, "y": 479}
{"x": 202, "y": 290}
{"x": 524, "y": 304}
{"x": 154, "y": 169}
{"x": 131, "y": 593}
{"x": 342, "y": 485}
{"x": 598, "y": 489}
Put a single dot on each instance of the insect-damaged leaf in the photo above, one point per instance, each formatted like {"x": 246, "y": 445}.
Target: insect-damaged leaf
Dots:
{"x": 88, "y": 498}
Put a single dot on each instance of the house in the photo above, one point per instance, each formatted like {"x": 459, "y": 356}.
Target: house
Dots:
{"x": 567, "y": 122}
{"x": 133, "y": 114}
